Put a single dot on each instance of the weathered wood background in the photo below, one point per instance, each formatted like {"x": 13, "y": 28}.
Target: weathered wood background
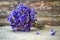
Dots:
{"x": 48, "y": 14}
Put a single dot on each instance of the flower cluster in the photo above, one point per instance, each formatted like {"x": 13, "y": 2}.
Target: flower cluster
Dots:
{"x": 22, "y": 18}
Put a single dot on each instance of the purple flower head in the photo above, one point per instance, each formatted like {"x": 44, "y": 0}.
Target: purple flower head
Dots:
{"x": 22, "y": 17}
{"x": 33, "y": 9}
{"x": 52, "y": 32}
{"x": 37, "y": 33}
{"x": 20, "y": 5}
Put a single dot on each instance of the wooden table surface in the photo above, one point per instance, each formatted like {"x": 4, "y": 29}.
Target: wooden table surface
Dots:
{"x": 44, "y": 34}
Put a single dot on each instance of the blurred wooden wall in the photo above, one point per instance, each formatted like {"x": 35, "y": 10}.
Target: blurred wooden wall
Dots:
{"x": 54, "y": 12}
